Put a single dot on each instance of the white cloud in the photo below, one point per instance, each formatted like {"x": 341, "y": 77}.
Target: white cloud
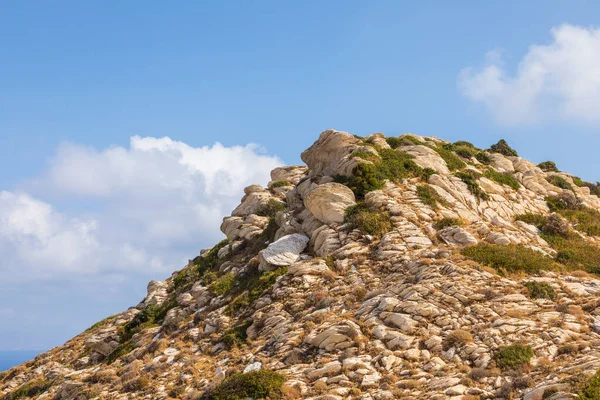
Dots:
{"x": 559, "y": 81}
{"x": 146, "y": 208}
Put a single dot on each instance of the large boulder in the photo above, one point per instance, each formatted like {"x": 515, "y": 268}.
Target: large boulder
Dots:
{"x": 330, "y": 154}
{"x": 286, "y": 250}
{"x": 425, "y": 157}
{"x": 328, "y": 202}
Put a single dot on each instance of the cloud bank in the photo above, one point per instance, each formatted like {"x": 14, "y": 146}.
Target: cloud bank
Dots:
{"x": 559, "y": 81}
{"x": 120, "y": 211}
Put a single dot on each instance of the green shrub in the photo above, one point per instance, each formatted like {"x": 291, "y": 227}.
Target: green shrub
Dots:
{"x": 28, "y": 390}
{"x": 548, "y": 166}
{"x": 426, "y": 173}
{"x": 376, "y": 223}
{"x": 463, "y": 143}
{"x": 556, "y": 225}
{"x": 394, "y": 165}
{"x": 270, "y": 208}
{"x": 281, "y": 183}
{"x": 502, "y": 178}
{"x": 255, "y": 384}
{"x": 540, "y": 290}
{"x": 452, "y": 161}
{"x": 236, "y": 336}
{"x": 429, "y": 196}
{"x": 585, "y": 220}
{"x": 564, "y": 201}
{"x": 483, "y": 158}
{"x": 446, "y": 222}
{"x": 223, "y": 285}
{"x": 591, "y": 388}
{"x": 252, "y": 285}
{"x": 537, "y": 220}
{"x": 465, "y": 152}
{"x": 578, "y": 181}
{"x": 510, "y": 259}
{"x": 513, "y": 357}
{"x": 211, "y": 259}
{"x": 470, "y": 179}
{"x": 502, "y": 148}
{"x": 366, "y": 155}
{"x": 394, "y": 142}
{"x": 560, "y": 182}
{"x": 575, "y": 253}
{"x": 410, "y": 139}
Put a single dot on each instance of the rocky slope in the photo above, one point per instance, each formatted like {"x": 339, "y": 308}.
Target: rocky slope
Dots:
{"x": 387, "y": 268}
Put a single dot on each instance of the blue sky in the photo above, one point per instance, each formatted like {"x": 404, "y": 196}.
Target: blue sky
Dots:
{"x": 95, "y": 204}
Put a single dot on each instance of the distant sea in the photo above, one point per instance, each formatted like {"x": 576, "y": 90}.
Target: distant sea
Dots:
{"x": 11, "y": 358}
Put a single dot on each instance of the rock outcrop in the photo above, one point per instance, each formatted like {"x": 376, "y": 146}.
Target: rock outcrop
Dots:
{"x": 394, "y": 301}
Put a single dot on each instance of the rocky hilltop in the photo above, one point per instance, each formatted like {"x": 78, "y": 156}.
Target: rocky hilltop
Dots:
{"x": 386, "y": 268}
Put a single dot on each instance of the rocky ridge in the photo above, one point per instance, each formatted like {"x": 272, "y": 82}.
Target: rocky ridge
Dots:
{"x": 349, "y": 278}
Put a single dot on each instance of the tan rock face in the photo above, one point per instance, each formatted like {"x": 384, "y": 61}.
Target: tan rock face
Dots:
{"x": 328, "y": 202}
{"x": 329, "y": 155}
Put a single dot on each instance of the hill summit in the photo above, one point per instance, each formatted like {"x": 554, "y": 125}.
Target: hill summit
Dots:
{"x": 386, "y": 268}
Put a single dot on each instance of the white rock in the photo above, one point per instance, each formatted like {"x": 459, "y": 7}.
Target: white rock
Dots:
{"x": 257, "y": 366}
{"x": 286, "y": 250}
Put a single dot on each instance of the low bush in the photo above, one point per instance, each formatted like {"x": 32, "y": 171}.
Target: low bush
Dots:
{"x": 446, "y": 222}
{"x": 540, "y": 290}
{"x": 510, "y": 259}
{"x": 564, "y": 201}
{"x": 429, "y": 196}
{"x": 223, "y": 285}
{"x": 470, "y": 179}
{"x": 376, "y": 223}
{"x": 513, "y": 357}
{"x": 394, "y": 142}
{"x": 281, "y": 183}
{"x": 548, "y": 166}
{"x": 453, "y": 162}
{"x": 584, "y": 219}
{"x": 483, "y": 158}
{"x": 211, "y": 260}
{"x": 594, "y": 187}
{"x": 236, "y": 336}
{"x": 537, "y": 220}
{"x": 578, "y": 181}
{"x": 255, "y": 384}
{"x": 28, "y": 390}
{"x": 392, "y": 164}
{"x": 502, "y": 148}
{"x": 575, "y": 253}
{"x": 502, "y": 178}
{"x": 270, "y": 208}
{"x": 560, "y": 182}
{"x": 590, "y": 389}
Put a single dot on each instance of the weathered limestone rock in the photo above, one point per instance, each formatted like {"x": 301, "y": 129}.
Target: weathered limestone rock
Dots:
{"x": 286, "y": 250}
{"x": 426, "y": 157}
{"x": 103, "y": 342}
{"x": 457, "y": 236}
{"x": 329, "y": 155}
{"x": 328, "y": 202}
{"x": 308, "y": 267}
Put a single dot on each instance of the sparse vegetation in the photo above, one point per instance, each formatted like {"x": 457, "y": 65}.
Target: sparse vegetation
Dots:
{"x": 255, "y": 384}
{"x": 376, "y": 223}
{"x": 503, "y": 148}
{"x": 392, "y": 164}
{"x": 470, "y": 179}
{"x": 453, "y": 162}
{"x": 223, "y": 285}
{"x": 513, "y": 357}
{"x": 548, "y": 166}
{"x": 502, "y": 178}
{"x": 281, "y": 183}
{"x": 510, "y": 259}
{"x": 270, "y": 208}
{"x": 458, "y": 337}
{"x": 575, "y": 253}
{"x": 429, "y": 196}
{"x": 584, "y": 219}
{"x": 540, "y": 290}
{"x": 590, "y": 389}
{"x": 446, "y": 222}
{"x": 236, "y": 336}
{"x": 537, "y": 220}
{"x": 28, "y": 390}
{"x": 483, "y": 158}
{"x": 564, "y": 201}
{"x": 560, "y": 182}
